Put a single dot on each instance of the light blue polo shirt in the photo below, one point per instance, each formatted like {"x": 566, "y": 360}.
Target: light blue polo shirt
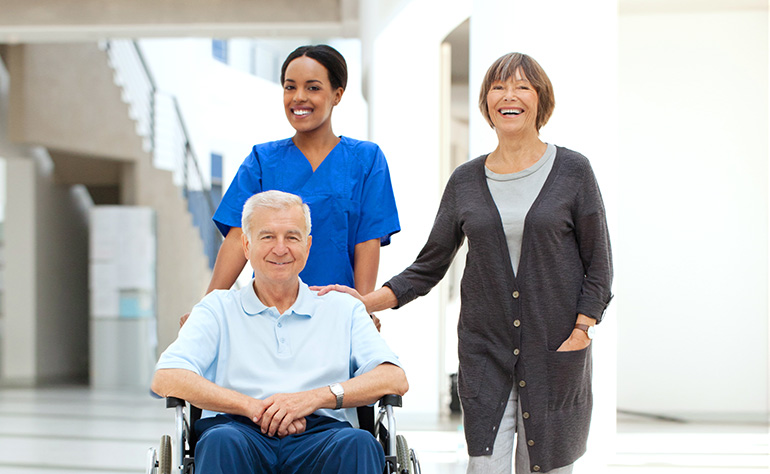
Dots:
{"x": 235, "y": 341}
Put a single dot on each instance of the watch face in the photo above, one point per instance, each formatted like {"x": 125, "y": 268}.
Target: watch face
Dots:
{"x": 591, "y": 331}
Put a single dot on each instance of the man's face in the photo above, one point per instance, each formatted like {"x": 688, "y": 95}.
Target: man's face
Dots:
{"x": 278, "y": 248}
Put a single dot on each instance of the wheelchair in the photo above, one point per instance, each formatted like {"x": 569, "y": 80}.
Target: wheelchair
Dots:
{"x": 177, "y": 455}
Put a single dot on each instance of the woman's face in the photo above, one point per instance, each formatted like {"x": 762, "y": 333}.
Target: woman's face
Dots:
{"x": 308, "y": 96}
{"x": 512, "y": 105}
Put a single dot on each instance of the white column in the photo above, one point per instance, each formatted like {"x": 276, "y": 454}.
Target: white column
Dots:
{"x": 576, "y": 44}
{"x": 402, "y": 50}
{"x": 19, "y": 316}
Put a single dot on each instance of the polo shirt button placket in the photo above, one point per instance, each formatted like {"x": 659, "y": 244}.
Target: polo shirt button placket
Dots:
{"x": 280, "y": 337}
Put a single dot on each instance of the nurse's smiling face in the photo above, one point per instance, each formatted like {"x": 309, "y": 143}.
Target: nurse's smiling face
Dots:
{"x": 308, "y": 96}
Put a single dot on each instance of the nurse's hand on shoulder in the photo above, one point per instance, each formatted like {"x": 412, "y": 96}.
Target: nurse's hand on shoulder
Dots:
{"x": 183, "y": 319}
{"x": 322, "y": 290}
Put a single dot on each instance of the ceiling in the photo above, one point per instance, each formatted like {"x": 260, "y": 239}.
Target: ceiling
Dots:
{"x": 25, "y": 21}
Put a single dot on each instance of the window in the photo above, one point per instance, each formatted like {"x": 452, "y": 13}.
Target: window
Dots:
{"x": 219, "y": 50}
{"x": 216, "y": 177}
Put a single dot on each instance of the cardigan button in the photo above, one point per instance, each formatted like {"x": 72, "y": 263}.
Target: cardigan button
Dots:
{"x": 516, "y": 323}
{"x": 536, "y": 468}
{"x": 516, "y": 294}
{"x": 522, "y": 384}
{"x": 525, "y": 415}
{"x": 516, "y": 352}
{"x": 531, "y": 442}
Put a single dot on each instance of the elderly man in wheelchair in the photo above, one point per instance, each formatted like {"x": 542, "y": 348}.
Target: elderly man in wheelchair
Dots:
{"x": 277, "y": 369}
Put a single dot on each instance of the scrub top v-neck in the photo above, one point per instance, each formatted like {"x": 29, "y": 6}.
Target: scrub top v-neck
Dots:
{"x": 350, "y": 198}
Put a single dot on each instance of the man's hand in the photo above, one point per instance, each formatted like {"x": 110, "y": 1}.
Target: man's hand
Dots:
{"x": 259, "y": 407}
{"x": 295, "y": 427}
{"x": 284, "y": 414}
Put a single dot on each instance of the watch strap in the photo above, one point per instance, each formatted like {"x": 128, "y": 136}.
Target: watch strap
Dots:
{"x": 585, "y": 328}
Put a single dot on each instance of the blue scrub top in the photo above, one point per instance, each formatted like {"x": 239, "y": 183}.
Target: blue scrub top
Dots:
{"x": 350, "y": 198}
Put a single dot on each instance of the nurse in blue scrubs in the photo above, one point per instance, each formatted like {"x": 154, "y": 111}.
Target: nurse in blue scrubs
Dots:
{"x": 345, "y": 182}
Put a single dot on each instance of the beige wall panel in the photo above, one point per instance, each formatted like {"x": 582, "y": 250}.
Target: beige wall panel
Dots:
{"x": 63, "y": 97}
{"x": 123, "y": 12}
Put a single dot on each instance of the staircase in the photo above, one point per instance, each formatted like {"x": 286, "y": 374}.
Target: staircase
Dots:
{"x": 160, "y": 124}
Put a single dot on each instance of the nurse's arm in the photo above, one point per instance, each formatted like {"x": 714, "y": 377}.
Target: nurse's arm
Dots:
{"x": 230, "y": 262}
{"x": 366, "y": 261}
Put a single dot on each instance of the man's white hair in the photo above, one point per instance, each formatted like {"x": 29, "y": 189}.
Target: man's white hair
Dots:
{"x": 272, "y": 200}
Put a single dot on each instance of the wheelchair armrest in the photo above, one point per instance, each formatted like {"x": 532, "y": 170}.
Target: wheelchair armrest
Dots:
{"x": 390, "y": 400}
{"x": 173, "y": 402}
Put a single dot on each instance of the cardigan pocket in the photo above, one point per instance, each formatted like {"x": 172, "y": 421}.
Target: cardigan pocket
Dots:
{"x": 569, "y": 379}
{"x": 473, "y": 367}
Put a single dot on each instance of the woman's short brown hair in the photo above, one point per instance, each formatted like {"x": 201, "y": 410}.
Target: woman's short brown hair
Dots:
{"x": 505, "y": 68}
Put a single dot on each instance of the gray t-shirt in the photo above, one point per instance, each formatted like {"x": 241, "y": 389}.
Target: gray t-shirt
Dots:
{"x": 514, "y": 194}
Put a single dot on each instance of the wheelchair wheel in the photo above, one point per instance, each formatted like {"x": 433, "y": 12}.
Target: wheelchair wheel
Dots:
{"x": 402, "y": 456}
{"x": 164, "y": 457}
{"x": 152, "y": 461}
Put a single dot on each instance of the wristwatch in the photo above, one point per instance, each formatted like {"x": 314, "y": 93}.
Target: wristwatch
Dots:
{"x": 338, "y": 392}
{"x": 589, "y": 330}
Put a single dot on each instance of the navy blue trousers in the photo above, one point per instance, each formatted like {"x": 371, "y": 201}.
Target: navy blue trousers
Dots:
{"x": 234, "y": 444}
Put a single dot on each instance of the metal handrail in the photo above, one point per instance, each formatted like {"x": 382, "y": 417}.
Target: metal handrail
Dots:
{"x": 190, "y": 152}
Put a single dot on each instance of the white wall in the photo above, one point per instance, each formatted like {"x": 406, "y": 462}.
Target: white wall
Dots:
{"x": 403, "y": 92}
{"x": 692, "y": 248}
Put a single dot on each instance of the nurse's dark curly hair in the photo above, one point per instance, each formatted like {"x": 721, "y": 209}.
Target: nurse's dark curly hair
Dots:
{"x": 329, "y": 58}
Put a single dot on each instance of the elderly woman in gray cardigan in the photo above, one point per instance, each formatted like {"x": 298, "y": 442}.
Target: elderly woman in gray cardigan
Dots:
{"x": 537, "y": 279}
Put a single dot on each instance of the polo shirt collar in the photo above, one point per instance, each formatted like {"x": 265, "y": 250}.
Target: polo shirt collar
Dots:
{"x": 304, "y": 305}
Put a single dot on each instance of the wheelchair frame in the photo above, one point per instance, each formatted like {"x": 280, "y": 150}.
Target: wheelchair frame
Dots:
{"x": 177, "y": 455}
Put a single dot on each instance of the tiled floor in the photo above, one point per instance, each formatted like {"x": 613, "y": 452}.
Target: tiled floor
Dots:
{"x": 78, "y": 430}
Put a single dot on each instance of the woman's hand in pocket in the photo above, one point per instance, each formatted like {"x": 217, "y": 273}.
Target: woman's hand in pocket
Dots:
{"x": 577, "y": 341}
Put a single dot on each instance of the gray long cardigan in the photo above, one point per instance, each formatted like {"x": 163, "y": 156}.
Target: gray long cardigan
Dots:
{"x": 510, "y": 327}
